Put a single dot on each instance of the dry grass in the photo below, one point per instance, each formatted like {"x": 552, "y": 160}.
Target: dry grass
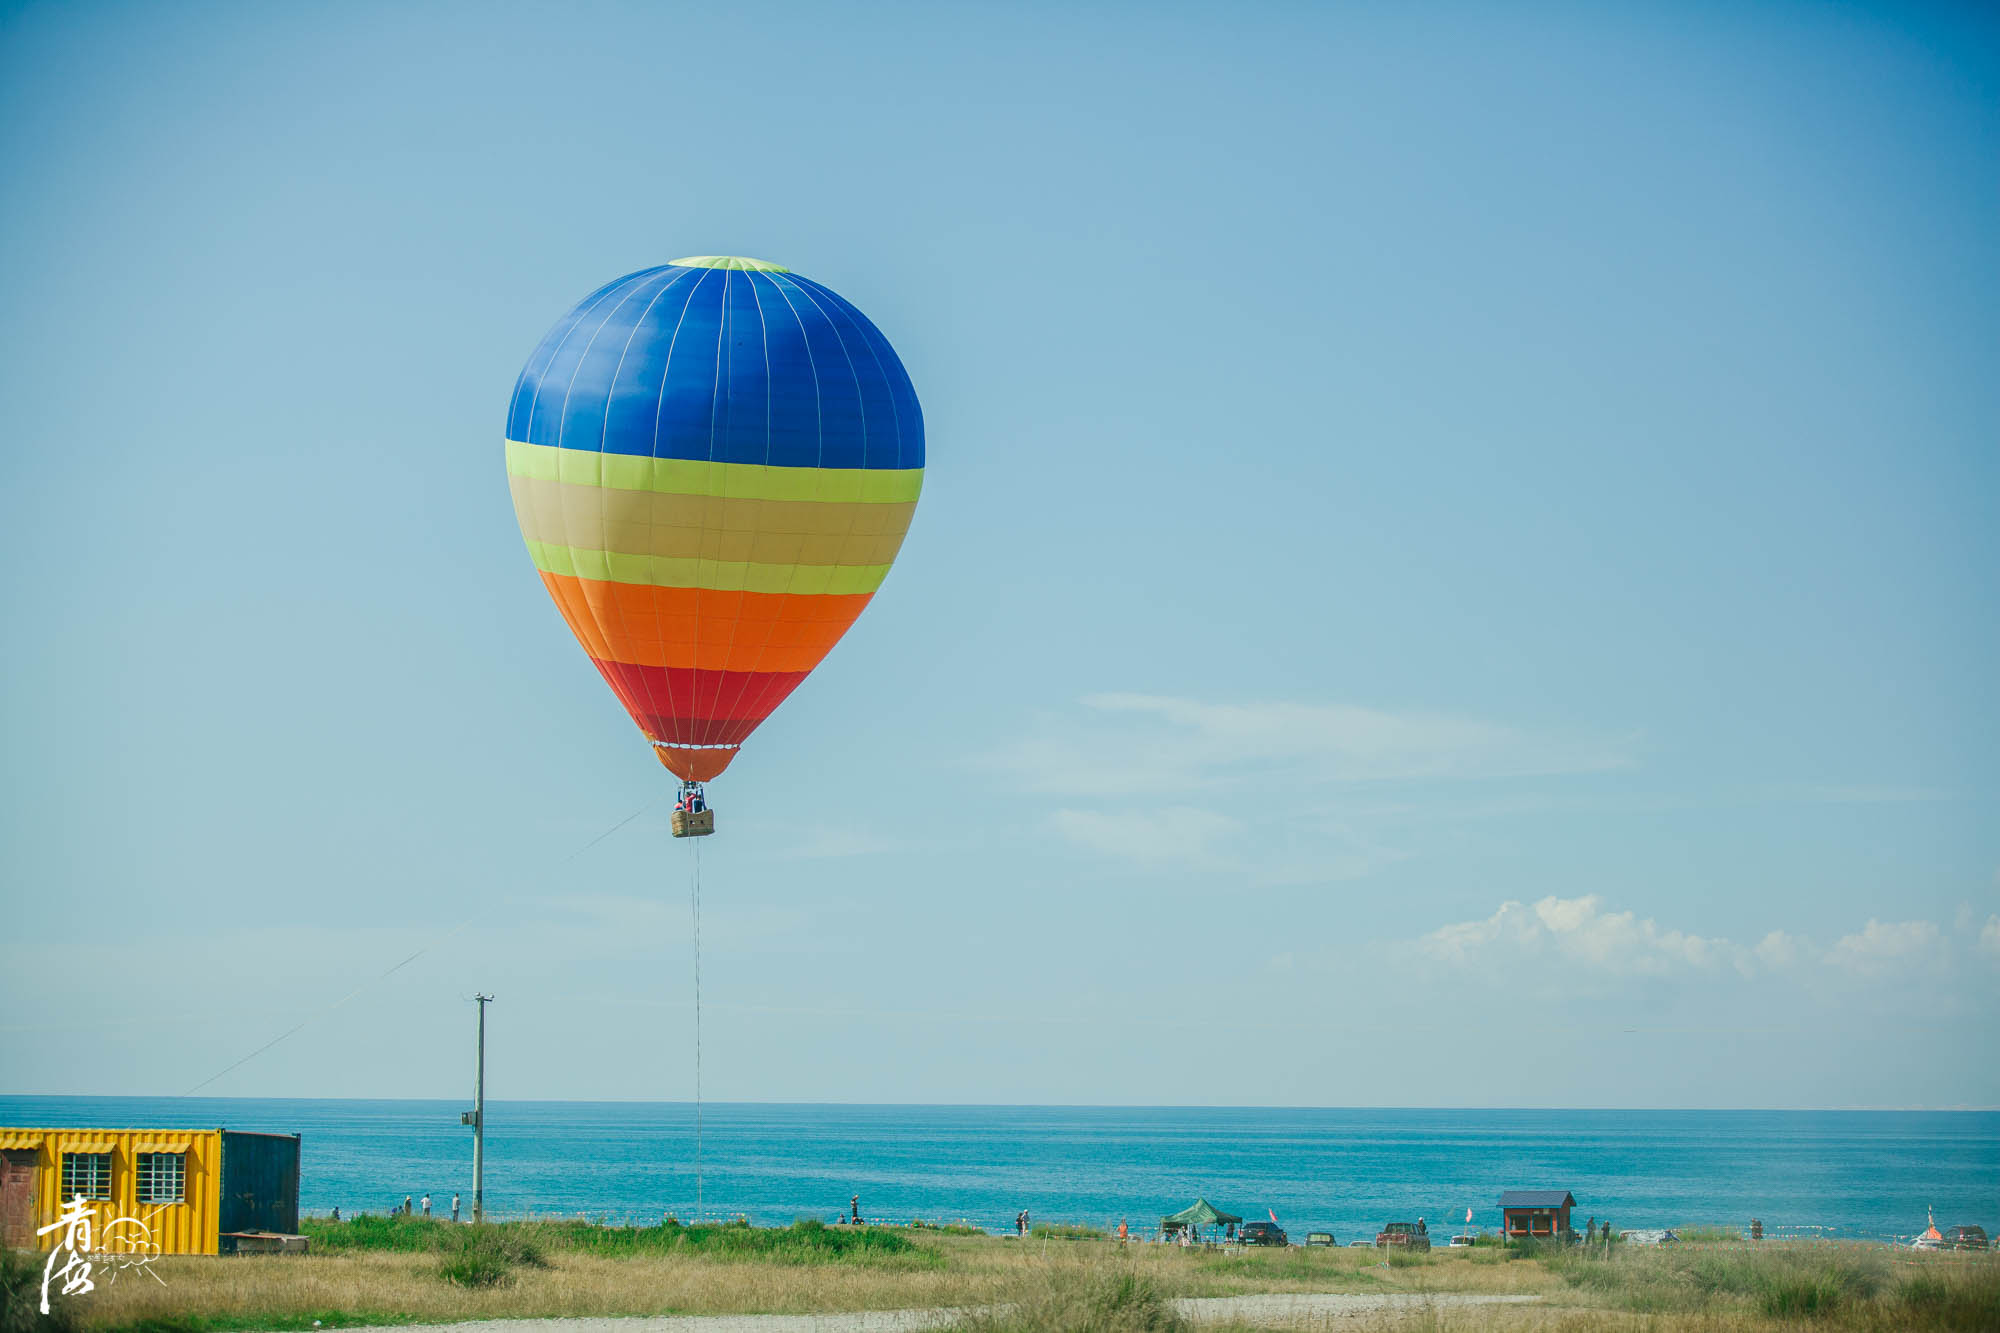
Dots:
{"x": 1822, "y": 1283}
{"x": 1365, "y": 1271}
{"x": 269, "y": 1291}
{"x": 1084, "y": 1284}
{"x": 279, "y": 1292}
{"x": 1736, "y": 1288}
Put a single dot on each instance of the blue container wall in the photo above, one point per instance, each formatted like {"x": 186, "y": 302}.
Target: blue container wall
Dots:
{"x": 260, "y": 1182}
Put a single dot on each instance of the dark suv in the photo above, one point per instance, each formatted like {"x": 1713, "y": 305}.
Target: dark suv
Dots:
{"x": 1262, "y": 1233}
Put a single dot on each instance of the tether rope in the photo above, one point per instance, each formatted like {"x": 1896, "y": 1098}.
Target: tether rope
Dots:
{"x": 695, "y": 904}
{"x": 474, "y": 916}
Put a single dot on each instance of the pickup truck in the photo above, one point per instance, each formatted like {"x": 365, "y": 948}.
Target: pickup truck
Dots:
{"x": 1403, "y": 1235}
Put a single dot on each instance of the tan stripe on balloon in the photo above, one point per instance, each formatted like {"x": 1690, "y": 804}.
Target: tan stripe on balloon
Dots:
{"x": 708, "y": 527}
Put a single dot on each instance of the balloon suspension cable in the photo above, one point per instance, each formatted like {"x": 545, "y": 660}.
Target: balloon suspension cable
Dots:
{"x": 695, "y": 903}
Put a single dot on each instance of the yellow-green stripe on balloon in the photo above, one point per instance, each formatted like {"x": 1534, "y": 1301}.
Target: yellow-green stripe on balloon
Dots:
{"x": 680, "y": 476}
{"x": 718, "y": 575}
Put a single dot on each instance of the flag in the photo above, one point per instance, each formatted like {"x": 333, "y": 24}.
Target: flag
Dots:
{"x": 1274, "y": 1217}
{"x": 1468, "y": 1217}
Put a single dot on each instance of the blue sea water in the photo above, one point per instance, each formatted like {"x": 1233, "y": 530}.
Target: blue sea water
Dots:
{"x": 1861, "y": 1174}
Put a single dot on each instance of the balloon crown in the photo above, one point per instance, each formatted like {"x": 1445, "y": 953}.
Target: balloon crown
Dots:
{"x": 730, "y": 261}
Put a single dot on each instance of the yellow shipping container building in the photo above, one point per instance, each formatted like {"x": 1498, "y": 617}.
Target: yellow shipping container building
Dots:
{"x": 167, "y": 1191}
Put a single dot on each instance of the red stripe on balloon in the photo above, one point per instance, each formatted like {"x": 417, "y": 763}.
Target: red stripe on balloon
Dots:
{"x": 690, "y": 706}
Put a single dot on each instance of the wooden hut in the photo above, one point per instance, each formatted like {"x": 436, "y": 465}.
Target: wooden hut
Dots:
{"x": 1536, "y": 1214}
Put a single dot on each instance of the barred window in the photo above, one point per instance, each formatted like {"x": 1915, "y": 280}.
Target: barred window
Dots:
{"x": 162, "y": 1177}
{"x": 86, "y": 1173}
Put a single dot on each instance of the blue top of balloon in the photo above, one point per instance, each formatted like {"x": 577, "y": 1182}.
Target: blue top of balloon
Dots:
{"x": 722, "y": 359}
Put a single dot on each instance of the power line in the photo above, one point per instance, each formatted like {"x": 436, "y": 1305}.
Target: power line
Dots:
{"x": 367, "y": 985}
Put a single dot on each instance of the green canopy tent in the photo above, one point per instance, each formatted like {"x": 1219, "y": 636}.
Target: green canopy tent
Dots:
{"x": 1200, "y": 1213}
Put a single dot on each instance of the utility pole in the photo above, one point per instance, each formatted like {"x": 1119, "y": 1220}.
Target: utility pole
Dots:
{"x": 476, "y": 1117}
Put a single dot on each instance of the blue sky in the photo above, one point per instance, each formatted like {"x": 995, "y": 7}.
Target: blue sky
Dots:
{"x": 1457, "y": 563}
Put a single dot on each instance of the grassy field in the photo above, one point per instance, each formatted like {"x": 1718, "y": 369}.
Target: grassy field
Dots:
{"x": 390, "y": 1270}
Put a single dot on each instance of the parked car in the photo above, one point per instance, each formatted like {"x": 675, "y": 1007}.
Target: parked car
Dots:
{"x": 1461, "y": 1242}
{"x": 1262, "y": 1233}
{"x": 1965, "y": 1238}
{"x": 1649, "y": 1236}
{"x": 1320, "y": 1238}
{"x": 1403, "y": 1235}
{"x": 1358, "y": 1245}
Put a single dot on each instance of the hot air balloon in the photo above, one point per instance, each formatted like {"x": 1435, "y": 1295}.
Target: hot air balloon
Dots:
{"x": 713, "y": 463}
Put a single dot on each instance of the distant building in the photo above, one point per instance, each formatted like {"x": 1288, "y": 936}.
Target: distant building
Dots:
{"x": 196, "y": 1191}
{"x": 1535, "y": 1214}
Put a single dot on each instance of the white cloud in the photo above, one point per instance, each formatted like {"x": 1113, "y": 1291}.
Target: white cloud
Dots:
{"x": 1779, "y": 950}
{"x": 1853, "y": 793}
{"x": 1887, "y": 946}
{"x": 1177, "y": 833}
{"x": 1466, "y": 941}
{"x": 1132, "y": 744}
{"x": 1579, "y": 932}
{"x": 1119, "y": 748}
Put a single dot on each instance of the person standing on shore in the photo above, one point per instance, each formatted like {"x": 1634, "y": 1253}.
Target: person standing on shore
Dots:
{"x": 854, "y": 1205}
{"x": 1122, "y": 1232}
{"x": 427, "y": 1207}
{"x": 407, "y": 1209}
{"x": 454, "y": 1207}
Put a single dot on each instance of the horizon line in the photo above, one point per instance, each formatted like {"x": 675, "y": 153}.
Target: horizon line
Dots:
{"x": 986, "y": 1105}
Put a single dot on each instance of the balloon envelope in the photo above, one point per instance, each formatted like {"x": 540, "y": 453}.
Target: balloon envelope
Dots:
{"x": 713, "y": 463}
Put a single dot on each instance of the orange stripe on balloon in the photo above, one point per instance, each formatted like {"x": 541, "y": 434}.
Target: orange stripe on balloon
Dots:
{"x": 692, "y": 765}
{"x": 702, "y": 629}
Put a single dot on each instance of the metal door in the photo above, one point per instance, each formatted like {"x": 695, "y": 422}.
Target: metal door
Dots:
{"x": 17, "y": 1199}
